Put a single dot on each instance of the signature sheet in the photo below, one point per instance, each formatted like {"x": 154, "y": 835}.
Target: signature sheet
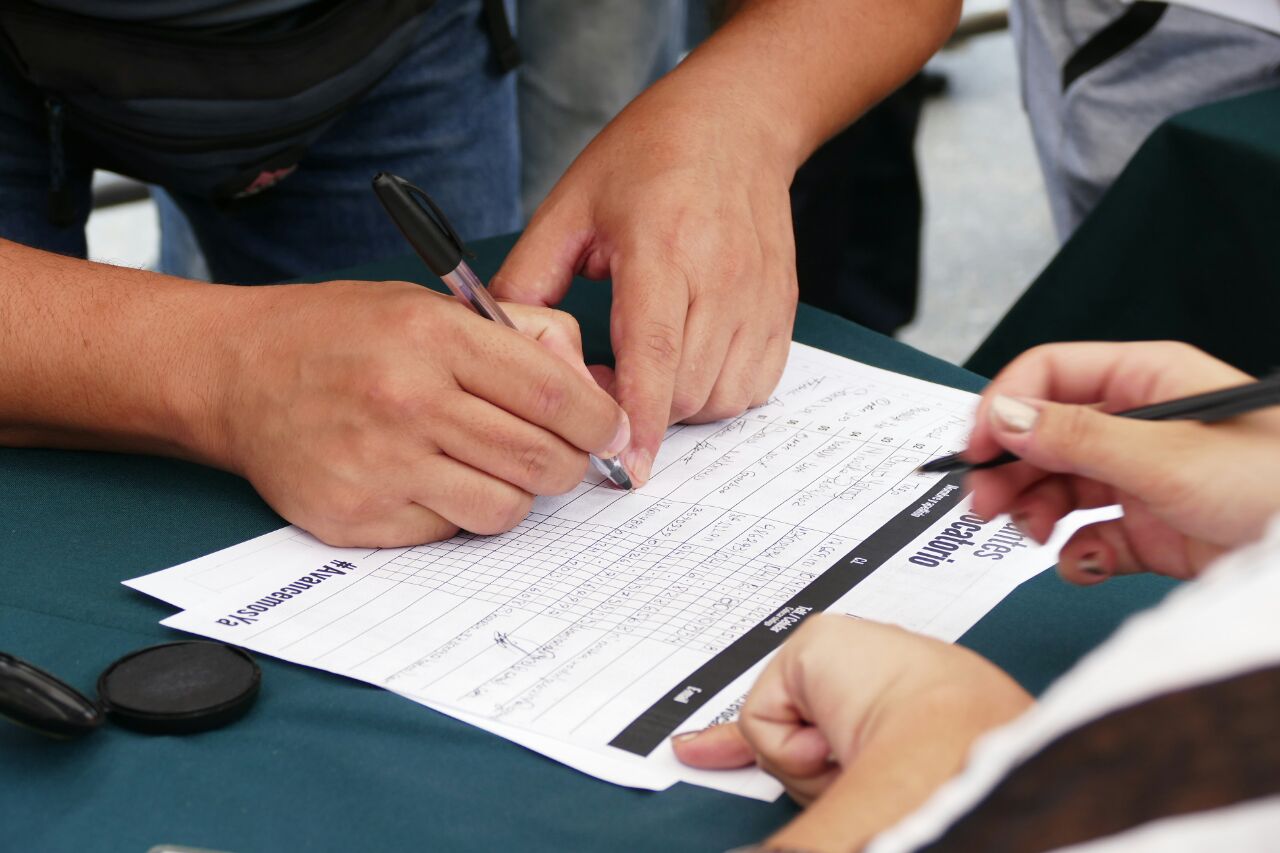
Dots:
{"x": 608, "y": 621}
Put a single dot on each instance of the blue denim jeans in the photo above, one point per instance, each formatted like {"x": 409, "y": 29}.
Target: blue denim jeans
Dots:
{"x": 445, "y": 118}
{"x": 584, "y": 62}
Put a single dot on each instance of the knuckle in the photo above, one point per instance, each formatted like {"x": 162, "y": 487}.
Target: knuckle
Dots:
{"x": 437, "y": 530}
{"x": 510, "y": 510}
{"x": 1179, "y": 483}
{"x": 1034, "y": 360}
{"x": 1039, "y": 352}
{"x": 346, "y": 511}
{"x": 536, "y": 463}
{"x": 686, "y": 403}
{"x": 548, "y": 397}
{"x": 1175, "y": 349}
{"x": 565, "y": 477}
{"x": 749, "y": 723}
{"x": 329, "y": 533}
{"x": 732, "y": 402}
{"x": 495, "y": 511}
{"x": 660, "y": 341}
{"x": 566, "y": 324}
{"x": 720, "y": 409}
{"x": 413, "y": 317}
{"x": 386, "y": 393}
{"x": 1069, "y": 428}
{"x": 502, "y": 284}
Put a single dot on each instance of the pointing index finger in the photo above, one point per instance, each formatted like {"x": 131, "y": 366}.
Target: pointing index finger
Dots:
{"x": 650, "y": 304}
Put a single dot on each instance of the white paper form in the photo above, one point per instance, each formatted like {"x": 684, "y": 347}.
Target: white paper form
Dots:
{"x": 607, "y": 621}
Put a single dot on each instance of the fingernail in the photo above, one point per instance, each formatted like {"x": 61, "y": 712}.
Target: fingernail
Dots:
{"x": 621, "y": 438}
{"x": 639, "y": 464}
{"x": 1013, "y": 415}
{"x": 1021, "y": 522}
{"x": 685, "y": 737}
{"x": 1091, "y": 564}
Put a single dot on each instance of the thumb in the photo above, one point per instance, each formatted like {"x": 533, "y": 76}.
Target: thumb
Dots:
{"x": 1123, "y": 453}
{"x": 541, "y": 265}
{"x": 717, "y": 748}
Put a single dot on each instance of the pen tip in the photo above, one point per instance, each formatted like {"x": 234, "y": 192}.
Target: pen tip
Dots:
{"x": 940, "y": 466}
{"x": 614, "y": 473}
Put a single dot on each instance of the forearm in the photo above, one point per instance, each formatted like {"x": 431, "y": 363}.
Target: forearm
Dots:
{"x": 102, "y": 357}
{"x": 804, "y": 69}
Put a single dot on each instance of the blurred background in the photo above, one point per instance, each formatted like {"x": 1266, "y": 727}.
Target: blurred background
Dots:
{"x": 986, "y": 230}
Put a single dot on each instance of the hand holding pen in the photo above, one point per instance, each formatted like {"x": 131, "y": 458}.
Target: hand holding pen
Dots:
{"x": 427, "y": 229}
{"x": 1189, "y": 490}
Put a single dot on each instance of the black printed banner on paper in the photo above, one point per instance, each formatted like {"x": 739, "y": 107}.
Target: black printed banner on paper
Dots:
{"x": 661, "y": 720}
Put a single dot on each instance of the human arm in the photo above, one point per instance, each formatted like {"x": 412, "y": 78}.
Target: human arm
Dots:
{"x": 683, "y": 201}
{"x": 367, "y": 413}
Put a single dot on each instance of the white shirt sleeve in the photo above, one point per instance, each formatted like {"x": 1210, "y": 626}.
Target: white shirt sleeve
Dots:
{"x": 1226, "y": 623}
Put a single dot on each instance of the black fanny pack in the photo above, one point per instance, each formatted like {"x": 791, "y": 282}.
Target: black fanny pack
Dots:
{"x": 221, "y": 112}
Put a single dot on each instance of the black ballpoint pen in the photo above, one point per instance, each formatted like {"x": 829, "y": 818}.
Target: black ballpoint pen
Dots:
{"x": 427, "y": 229}
{"x": 1206, "y": 408}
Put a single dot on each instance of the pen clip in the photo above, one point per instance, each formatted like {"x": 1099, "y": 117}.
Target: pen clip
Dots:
{"x": 431, "y": 209}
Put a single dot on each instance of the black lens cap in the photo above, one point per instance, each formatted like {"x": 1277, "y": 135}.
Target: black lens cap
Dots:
{"x": 34, "y": 698}
{"x": 180, "y": 688}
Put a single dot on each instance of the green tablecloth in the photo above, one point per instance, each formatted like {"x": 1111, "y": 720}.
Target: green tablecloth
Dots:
{"x": 325, "y": 763}
{"x": 1185, "y": 245}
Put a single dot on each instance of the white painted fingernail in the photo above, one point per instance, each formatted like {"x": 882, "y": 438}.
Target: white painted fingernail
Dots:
{"x": 1013, "y": 415}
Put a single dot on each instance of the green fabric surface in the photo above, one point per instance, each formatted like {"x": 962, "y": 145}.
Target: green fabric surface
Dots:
{"x": 1183, "y": 247}
{"x": 326, "y": 763}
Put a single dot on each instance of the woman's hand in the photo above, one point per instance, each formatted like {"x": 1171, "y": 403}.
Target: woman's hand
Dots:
{"x": 1189, "y": 491}
{"x": 861, "y": 720}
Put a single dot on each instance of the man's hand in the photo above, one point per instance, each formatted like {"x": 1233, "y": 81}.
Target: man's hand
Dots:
{"x": 370, "y": 413}
{"x": 1189, "y": 491}
{"x": 385, "y": 414}
{"x": 692, "y": 221}
{"x": 683, "y": 201}
{"x": 861, "y": 721}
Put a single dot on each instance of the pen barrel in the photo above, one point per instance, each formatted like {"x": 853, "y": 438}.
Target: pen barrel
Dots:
{"x": 470, "y": 291}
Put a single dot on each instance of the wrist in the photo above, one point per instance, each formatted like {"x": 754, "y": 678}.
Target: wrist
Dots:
{"x": 753, "y": 123}
{"x": 194, "y": 368}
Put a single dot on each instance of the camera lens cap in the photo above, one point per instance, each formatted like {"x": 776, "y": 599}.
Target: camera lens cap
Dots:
{"x": 180, "y": 688}
{"x": 34, "y": 698}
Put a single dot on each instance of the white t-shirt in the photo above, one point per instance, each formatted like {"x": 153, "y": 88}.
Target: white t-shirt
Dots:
{"x": 1223, "y": 625}
{"x": 1263, "y": 14}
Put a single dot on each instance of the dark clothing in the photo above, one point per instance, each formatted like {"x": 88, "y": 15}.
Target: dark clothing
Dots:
{"x": 857, "y": 210}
